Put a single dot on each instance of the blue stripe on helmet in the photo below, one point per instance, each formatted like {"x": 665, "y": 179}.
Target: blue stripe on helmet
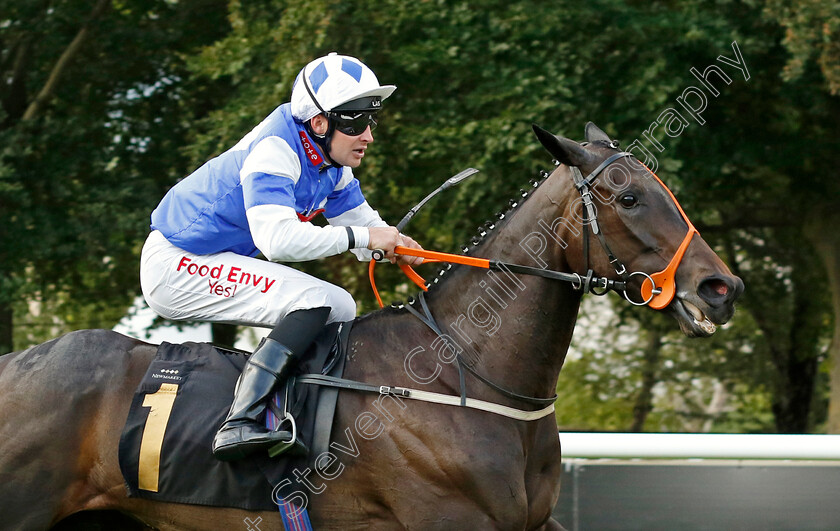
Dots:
{"x": 353, "y": 68}
{"x": 318, "y": 76}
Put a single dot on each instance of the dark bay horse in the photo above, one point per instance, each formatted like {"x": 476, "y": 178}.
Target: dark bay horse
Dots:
{"x": 407, "y": 464}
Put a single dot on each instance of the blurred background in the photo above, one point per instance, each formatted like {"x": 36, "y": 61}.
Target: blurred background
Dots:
{"x": 106, "y": 104}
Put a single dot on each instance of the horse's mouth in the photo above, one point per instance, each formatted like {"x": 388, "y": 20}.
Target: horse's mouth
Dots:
{"x": 693, "y": 322}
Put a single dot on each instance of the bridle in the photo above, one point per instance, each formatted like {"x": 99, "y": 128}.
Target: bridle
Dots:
{"x": 657, "y": 289}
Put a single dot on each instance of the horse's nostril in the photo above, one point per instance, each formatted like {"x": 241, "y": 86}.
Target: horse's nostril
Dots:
{"x": 719, "y": 287}
{"x": 715, "y": 290}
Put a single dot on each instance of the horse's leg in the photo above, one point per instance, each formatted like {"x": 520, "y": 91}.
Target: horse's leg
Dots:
{"x": 63, "y": 405}
{"x": 542, "y": 471}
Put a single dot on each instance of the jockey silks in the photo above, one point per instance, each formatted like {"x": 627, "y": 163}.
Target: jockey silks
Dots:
{"x": 276, "y": 164}
{"x": 198, "y": 261}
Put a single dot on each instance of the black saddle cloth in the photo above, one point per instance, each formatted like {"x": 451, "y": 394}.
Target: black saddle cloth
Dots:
{"x": 165, "y": 450}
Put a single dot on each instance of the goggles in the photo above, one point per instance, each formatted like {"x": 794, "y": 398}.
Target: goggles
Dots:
{"x": 353, "y": 123}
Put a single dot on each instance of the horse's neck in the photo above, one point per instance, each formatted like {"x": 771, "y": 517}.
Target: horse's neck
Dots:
{"x": 516, "y": 329}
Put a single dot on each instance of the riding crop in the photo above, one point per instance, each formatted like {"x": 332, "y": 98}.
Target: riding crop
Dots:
{"x": 378, "y": 254}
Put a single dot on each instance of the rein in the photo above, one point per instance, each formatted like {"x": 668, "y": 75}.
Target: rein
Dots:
{"x": 590, "y": 282}
{"x": 657, "y": 289}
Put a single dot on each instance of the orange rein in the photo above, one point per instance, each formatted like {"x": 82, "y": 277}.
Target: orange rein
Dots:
{"x": 428, "y": 257}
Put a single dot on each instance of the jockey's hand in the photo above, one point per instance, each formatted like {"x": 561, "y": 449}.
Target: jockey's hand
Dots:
{"x": 387, "y": 238}
{"x": 411, "y": 244}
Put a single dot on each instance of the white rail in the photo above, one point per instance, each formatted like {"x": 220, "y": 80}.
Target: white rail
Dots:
{"x": 699, "y": 446}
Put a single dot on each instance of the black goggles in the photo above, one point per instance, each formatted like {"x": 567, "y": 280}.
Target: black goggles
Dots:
{"x": 353, "y": 123}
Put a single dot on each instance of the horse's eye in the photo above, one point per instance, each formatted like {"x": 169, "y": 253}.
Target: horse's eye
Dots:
{"x": 628, "y": 200}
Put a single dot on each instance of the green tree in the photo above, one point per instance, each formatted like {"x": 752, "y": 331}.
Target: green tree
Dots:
{"x": 773, "y": 140}
{"x": 94, "y": 107}
{"x": 812, "y": 40}
{"x": 630, "y": 370}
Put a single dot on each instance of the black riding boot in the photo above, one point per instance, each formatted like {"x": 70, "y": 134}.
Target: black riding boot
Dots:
{"x": 243, "y": 432}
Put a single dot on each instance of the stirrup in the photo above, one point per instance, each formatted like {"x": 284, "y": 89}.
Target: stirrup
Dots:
{"x": 294, "y": 445}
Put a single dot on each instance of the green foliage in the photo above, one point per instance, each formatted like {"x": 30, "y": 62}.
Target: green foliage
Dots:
{"x": 88, "y": 147}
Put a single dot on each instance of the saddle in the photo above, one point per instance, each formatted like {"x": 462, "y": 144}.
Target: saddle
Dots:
{"x": 165, "y": 447}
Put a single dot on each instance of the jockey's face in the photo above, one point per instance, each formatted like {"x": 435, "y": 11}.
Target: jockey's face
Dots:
{"x": 348, "y": 150}
{"x": 345, "y": 150}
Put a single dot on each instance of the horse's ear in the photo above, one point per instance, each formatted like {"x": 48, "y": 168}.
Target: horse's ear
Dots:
{"x": 567, "y": 151}
{"x": 593, "y": 133}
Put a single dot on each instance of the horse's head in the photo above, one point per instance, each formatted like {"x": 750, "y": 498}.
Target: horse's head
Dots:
{"x": 644, "y": 229}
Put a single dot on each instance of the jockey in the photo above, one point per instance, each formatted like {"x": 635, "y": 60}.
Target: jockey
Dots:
{"x": 199, "y": 262}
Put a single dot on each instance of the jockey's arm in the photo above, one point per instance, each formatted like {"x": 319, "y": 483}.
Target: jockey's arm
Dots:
{"x": 282, "y": 237}
{"x": 268, "y": 178}
{"x": 382, "y": 236}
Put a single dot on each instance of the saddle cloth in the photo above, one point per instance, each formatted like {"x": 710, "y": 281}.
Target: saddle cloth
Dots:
{"x": 165, "y": 450}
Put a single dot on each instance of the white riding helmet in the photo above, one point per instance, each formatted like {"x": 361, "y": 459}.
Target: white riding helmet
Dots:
{"x": 333, "y": 81}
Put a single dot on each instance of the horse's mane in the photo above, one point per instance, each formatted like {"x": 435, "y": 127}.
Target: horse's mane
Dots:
{"x": 491, "y": 228}
{"x": 487, "y": 231}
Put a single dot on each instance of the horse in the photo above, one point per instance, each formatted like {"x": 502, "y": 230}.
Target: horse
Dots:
{"x": 414, "y": 464}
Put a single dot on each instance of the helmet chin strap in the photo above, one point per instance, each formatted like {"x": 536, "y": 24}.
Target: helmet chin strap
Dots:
{"x": 325, "y": 140}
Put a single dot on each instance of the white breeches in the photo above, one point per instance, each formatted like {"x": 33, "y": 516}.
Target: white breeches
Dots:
{"x": 231, "y": 288}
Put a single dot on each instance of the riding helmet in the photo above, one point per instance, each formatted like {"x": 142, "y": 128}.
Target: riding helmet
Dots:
{"x": 336, "y": 83}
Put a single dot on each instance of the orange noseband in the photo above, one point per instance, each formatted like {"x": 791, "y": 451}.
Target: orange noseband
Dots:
{"x": 665, "y": 280}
